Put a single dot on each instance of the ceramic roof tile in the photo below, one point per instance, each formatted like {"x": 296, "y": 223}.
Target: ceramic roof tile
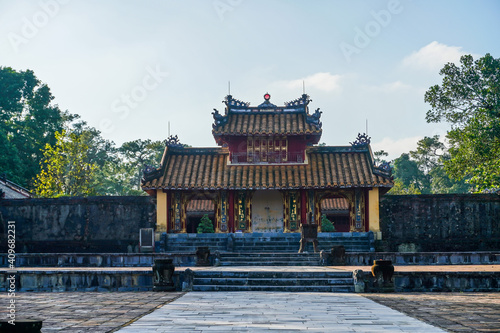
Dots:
{"x": 266, "y": 124}
{"x": 207, "y": 168}
{"x": 200, "y": 206}
{"x": 334, "y": 204}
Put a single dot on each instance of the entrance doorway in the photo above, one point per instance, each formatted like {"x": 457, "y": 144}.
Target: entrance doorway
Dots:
{"x": 336, "y": 209}
{"x": 267, "y": 211}
{"x": 195, "y": 210}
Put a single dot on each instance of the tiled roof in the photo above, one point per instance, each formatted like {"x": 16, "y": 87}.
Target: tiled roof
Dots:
{"x": 208, "y": 169}
{"x": 334, "y": 204}
{"x": 10, "y": 190}
{"x": 260, "y": 123}
{"x": 200, "y": 206}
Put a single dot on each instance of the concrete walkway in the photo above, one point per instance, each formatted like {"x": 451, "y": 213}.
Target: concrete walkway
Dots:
{"x": 275, "y": 312}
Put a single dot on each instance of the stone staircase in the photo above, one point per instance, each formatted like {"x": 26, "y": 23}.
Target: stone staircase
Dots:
{"x": 286, "y": 281}
{"x": 266, "y": 242}
{"x": 269, "y": 259}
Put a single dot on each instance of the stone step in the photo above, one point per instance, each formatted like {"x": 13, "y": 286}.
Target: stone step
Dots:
{"x": 298, "y": 281}
{"x": 274, "y": 274}
{"x": 279, "y": 254}
{"x": 310, "y": 289}
{"x": 260, "y": 259}
{"x": 272, "y": 282}
{"x": 265, "y": 242}
{"x": 273, "y": 256}
{"x": 272, "y": 263}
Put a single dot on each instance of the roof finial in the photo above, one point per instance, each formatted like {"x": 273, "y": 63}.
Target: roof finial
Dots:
{"x": 303, "y": 87}
{"x": 229, "y": 87}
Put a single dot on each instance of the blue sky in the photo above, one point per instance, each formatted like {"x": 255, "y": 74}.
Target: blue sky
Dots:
{"x": 130, "y": 67}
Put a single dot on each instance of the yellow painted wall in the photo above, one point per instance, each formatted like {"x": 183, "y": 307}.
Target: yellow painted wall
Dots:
{"x": 161, "y": 211}
{"x": 373, "y": 209}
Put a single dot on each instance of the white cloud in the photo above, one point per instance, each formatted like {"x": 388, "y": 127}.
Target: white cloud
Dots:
{"x": 434, "y": 56}
{"x": 320, "y": 81}
{"x": 396, "y": 147}
{"x": 390, "y": 87}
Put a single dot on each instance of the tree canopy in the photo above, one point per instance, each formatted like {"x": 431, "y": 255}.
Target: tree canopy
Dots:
{"x": 469, "y": 99}
{"x": 28, "y": 121}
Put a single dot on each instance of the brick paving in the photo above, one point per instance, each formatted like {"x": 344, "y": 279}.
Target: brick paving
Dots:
{"x": 454, "y": 312}
{"x": 104, "y": 312}
{"x": 77, "y": 312}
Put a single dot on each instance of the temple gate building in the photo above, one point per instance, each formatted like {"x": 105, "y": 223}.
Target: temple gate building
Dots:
{"x": 267, "y": 175}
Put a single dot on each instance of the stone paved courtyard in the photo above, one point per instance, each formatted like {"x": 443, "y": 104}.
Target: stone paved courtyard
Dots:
{"x": 105, "y": 312}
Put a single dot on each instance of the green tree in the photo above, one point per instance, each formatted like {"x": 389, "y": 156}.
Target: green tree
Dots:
{"x": 380, "y": 156}
{"x": 66, "y": 168}
{"x": 326, "y": 224}
{"x": 430, "y": 157}
{"x": 28, "y": 120}
{"x": 401, "y": 189}
{"x": 469, "y": 99}
{"x": 409, "y": 175}
{"x": 139, "y": 153}
{"x": 206, "y": 226}
{"x": 429, "y": 153}
{"x": 117, "y": 177}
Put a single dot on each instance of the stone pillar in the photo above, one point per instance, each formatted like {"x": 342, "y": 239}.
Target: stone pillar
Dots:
{"x": 231, "y": 211}
{"x": 303, "y": 206}
{"x": 373, "y": 209}
{"x": 161, "y": 211}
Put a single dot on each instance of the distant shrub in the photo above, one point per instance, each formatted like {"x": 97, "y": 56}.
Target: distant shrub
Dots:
{"x": 326, "y": 224}
{"x": 206, "y": 226}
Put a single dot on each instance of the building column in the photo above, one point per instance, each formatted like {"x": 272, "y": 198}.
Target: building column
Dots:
{"x": 373, "y": 209}
{"x": 161, "y": 211}
{"x": 230, "y": 222}
{"x": 303, "y": 207}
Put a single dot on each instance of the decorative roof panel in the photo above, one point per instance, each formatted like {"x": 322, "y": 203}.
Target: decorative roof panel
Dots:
{"x": 266, "y": 124}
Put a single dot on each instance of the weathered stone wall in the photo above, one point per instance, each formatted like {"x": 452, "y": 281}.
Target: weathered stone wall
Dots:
{"x": 109, "y": 224}
{"x": 93, "y": 224}
{"x": 444, "y": 222}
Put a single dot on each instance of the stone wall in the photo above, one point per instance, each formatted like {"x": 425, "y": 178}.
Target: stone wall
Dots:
{"x": 109, "y": 224}
{"x": 444, "y": 222}
{"x": 94, "y": 224}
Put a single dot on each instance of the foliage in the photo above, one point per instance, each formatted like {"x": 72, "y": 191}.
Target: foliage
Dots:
{"x": 326, "y": 224}
{"x": 66, "y": 168}
{"x": 136, "y": 155}
{"x": 469, "y": 99}
{"x": 400, "y": 188}
{"x": 408, "y": 173}
{"x": 28, "y": 122}
{"x": 379, "y": 157}
{"x": 422, "y": 170}
{"x": 206, "y": 226}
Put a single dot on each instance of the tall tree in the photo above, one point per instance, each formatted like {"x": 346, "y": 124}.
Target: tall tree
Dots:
{"x": 407, "y": 172}
{"x": 66, "y": 168}
{"x": 139, "y": 153}
{"x": 28, "y": 119}
{"x": 469, "y": 99}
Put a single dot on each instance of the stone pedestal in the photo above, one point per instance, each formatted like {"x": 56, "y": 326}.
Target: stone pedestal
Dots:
{"x": 203, "y": 256}
{"x": 383, "y": 271}
{"x": 309, "y": 233}
{"x": 163, "y": 273}
{"x": 338, "y": 255}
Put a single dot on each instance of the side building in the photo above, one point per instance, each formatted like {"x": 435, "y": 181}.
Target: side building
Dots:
{"x": 268, "y": 174}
